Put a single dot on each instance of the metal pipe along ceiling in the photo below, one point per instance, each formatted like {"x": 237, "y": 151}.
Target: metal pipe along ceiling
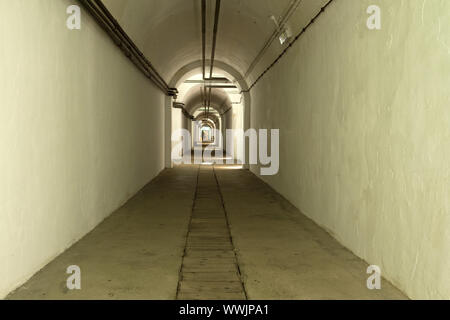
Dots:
{"x": 179, "y": 105}
{"x": 204, "y": 37}
{"x": 106, "y": 20}
{"x": 207, "y": 101}
{"x": 322, "y": 10}
{"x": 216, "y": 28}
{"x": 281, "y": 24}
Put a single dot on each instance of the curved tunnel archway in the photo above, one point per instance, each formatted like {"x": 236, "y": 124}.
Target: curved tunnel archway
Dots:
{"x": 221, "y": 100}
{"x": 172, "y": 38}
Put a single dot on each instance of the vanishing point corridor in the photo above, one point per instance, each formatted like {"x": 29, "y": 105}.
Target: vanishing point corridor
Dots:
{"x": 214, "y": 150}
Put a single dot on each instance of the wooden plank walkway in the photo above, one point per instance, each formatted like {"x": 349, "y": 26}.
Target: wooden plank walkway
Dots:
{"x": 209, "y": 270}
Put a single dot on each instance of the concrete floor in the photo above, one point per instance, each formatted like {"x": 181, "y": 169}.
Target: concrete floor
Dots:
{"x": 137, "y": 253}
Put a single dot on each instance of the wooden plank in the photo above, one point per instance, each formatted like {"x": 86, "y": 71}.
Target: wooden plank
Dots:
{"x": 210, "y": 286}
{"x": 209, "y": 270}
{"x": 211, "y": 260}
{"x": 210, "y": 276}
{"x": 211, "y": 296}
{"x": 210, "y": 264}
{"x": 219, "y": 244}
{"x": 202, "y": 237}
{"x": 209, "y": 253}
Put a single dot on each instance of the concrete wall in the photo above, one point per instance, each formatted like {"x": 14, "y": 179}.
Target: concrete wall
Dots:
{"x": 81, "y": 131}
{"x": 177, "y": 125}
{"x": 227, "y": 119}
{"x": 365, "y": 135}
{"x": 236, "y": 119}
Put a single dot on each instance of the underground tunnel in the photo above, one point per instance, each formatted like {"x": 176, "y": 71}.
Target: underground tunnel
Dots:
{"x": 225, "y": 150}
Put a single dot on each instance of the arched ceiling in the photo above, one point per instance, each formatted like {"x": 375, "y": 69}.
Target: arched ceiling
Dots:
{"x": 220, "y": 100}
{"x": 169, "y": 31}
{"x": 208, "y": 117}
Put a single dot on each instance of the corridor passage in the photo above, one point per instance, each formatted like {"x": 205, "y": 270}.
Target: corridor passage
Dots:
{"x": 225, "y": 149}
{"x": 178, "y": 222}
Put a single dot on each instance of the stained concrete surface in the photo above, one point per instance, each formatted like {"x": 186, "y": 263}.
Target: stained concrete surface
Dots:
{"x": 138, "y": 251}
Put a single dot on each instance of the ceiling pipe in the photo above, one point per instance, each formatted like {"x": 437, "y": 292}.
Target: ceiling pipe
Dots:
{"x": 102, "y": 20}
{"x": 210, "y": 78}
{"x": 226, "y": 111}
{"x": 179, "y": 105}
{"x": 216, "y": 28}
{"x": 204, "y": 37}
{"x": 203, "y": 50}
{"x": 203, "y": 93}
{"x": 213, "y": 51}
{"x": 293, "y": 6}
{"x": 118, "y": 27}
{"x": 322, "y": 10}
{"x": 107, "y": 21}
{"x": 216, "y": 80}
{"x": 207, "y": 97}
{"x": 221, "y": 86}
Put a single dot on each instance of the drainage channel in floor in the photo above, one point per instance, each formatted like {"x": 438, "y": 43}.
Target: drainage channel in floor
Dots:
{"x": 209, "y": 269}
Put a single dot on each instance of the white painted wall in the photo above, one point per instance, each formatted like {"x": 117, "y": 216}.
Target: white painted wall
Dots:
{"x": 365, "y": 135}
{"x": 177, "y": 125}
{"x": 81, "y": 131}
{"x": 227, "y": 120}
{"x": 236, "y": 116}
